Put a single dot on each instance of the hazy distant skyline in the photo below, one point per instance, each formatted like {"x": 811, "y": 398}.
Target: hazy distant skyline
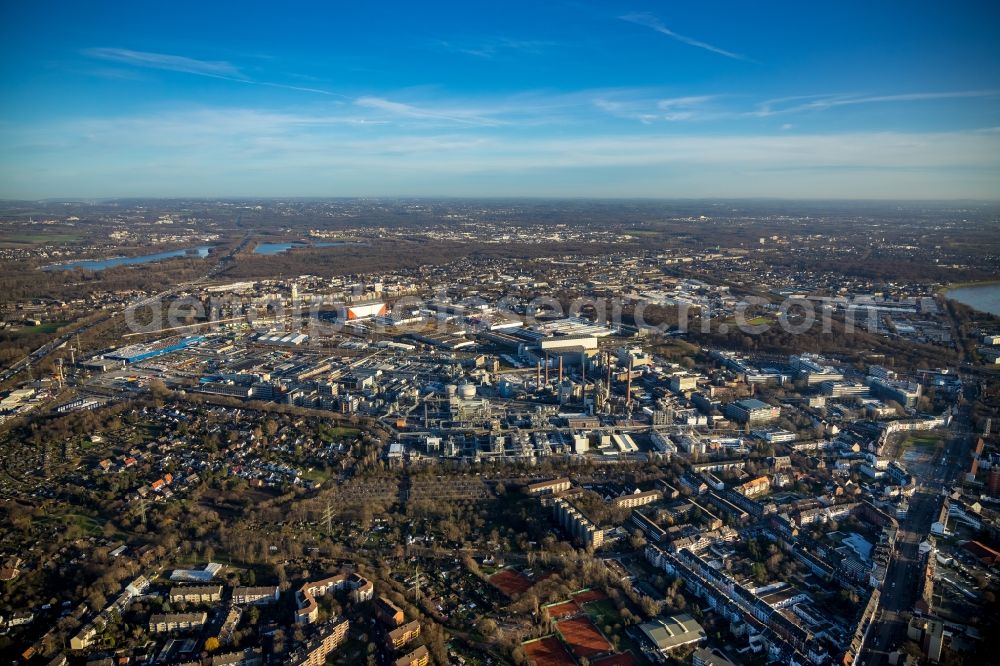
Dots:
{"x": 637, "y": 99}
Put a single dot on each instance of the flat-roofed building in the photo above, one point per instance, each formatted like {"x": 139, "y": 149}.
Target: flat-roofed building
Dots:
{"x": 247, "y": 657}
{"x": 267, "y": 594}
{"x": 315, "y": 650}
{"x": 709, "y": 657}
{"x": 577, "y": 524}
{"x": 546, "y": 487}
{"x": 633, "y": 500}
{"x": 163, "y": 622}
{"x": 419, "y": 657}
{"x": 751, "y": 411}
{"x": 571, "y": 343}
{"x": 196, "y": 594}
{"x": 683, "y": 382}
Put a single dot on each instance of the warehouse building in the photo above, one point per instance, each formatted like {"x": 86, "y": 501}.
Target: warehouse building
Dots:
{"x": 671, "y": 633}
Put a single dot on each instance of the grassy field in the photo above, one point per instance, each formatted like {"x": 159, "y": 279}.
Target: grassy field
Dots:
{"x": 47, "y": 328}
{"x": 923, "y": 440}
{"x": 316, "y": 475}
{"x": 37, "y": 238}
{"x": 675, "y": 348}
{"x": 88, "y": 526}
{"x": 343, "y": 431}
{"x": 603, "y": 612}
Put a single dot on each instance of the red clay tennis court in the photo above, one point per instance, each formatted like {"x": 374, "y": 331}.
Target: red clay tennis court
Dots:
{"x": 548, "y": 651}
{"x": 510, "y": 582}
{"x": 623, "y": 659}
{"x": 588, "y": 596}
{"x": 564, "y": 609}
{"x": 583, "y": 637}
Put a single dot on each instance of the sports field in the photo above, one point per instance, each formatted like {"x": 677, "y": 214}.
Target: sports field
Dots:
{"x": 510, "y": 582}
{"x": 623, "y": 659}
{"x": 583, "y": 638}
{"x": 548, "y": 651}
{"x": 564, "y": 609}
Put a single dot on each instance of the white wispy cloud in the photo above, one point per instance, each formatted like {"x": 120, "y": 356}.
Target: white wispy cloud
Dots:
{"x": 461, "y": 116}
{"x": 216, "y": 69}
{"x": 801, "y": 103}
{"x": 684, "y": 102}
{"x": 173, "y": 63}
{"x": 332, "y": 134}
{"x": 626, "y": 110}
{"x": 653, "y": 23}
{"x": 492, "y": 47}
{"x": 647, "y": 111}
{"x": 643, "y": 105}
{"x": 328, "y": 151}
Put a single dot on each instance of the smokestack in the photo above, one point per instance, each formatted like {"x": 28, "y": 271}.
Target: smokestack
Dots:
{"x": 546, "y": 369}
{"x": 538, "y": 374}
{"x": 560, "y": 369}
{"x": 628, "y": 385}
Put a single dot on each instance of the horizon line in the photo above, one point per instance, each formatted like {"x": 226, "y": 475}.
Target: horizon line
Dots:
{"x": 464, "y": 197}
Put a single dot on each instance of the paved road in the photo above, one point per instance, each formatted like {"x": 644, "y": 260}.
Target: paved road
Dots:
{"x": 901, "y": 587}
{"x": 903, "y": 580}
{"x": 46, "y": 349}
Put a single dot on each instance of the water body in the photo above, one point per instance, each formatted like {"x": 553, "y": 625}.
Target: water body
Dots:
{"x": 983, "y": 297}
{"x": 278, "y": 248}
{"x": 100, "y": 264}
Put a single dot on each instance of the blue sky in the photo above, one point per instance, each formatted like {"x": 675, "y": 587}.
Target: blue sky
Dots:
{"x": 618, "y": 99}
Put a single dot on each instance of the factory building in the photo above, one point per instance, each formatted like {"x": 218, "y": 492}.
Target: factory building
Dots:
{"x": 138, "y": 353}
{"x": 361, "y": 311}
{"x": 282, "y": 339}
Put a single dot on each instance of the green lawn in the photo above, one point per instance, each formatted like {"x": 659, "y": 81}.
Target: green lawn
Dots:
{"x": 924, "y": 439}
{"x": 345, "y": 431}
{"x": 87, "y": 525}
{"x": 925, "y": 442}
{"x": 602, "y": 612}
{"x": 316, "y": 475}
{"x": 46, "y": 328}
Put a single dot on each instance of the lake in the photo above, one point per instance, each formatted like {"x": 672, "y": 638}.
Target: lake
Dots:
{"x": 983, "y": 297}
{"x": 100, "y": 264}
{"x": 278, "y": 248}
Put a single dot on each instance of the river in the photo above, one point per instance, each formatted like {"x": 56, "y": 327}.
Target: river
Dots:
{"x": 278, "y": 248}
{"x": 982, "y": 297}
{"x": 100, "y": 264}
